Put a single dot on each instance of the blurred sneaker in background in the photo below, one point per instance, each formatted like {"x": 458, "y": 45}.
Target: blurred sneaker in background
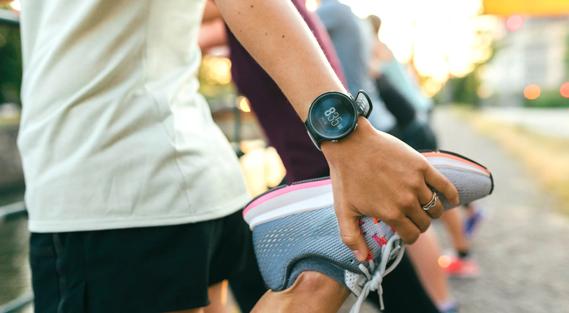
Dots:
{"x": 450, "y": 307}
{"x": 474, "y": 216}
{"x": 457, "y": 267}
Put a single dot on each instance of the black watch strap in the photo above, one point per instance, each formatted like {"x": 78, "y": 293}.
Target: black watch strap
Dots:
{"x": 363, "y": 104}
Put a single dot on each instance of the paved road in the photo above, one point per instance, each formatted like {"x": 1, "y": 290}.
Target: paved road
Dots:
{"x": 522, "y": 247}
{"x": 550, "y": 122}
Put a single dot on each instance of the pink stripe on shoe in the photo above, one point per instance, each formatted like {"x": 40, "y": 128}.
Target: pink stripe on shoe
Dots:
{"x": 273, "y": 194}
{"x": 456, "y": 158}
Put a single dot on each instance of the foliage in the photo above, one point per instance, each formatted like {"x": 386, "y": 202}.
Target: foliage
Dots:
{"x": 567, "y": 56}
{"x": 548, "y": 99}
{"x": 10, "y": 64}
{"x": 464, "y": 89}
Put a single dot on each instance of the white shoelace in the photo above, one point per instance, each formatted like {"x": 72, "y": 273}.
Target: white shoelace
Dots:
{"x": 374, "y": 278}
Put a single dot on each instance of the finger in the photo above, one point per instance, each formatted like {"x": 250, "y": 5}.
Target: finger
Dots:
{"x": 420, "y": 218}
{"x": 350, "y": 231}
{"x": 425, "y": 196}
{"x": 407, "y": 230}
{"x": 441, "y": 184}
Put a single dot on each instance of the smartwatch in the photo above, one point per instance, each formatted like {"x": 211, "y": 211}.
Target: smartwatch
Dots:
{"x": 334, "y": 115}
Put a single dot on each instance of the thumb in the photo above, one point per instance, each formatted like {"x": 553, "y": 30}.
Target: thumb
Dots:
{"x": 350, "y": 231}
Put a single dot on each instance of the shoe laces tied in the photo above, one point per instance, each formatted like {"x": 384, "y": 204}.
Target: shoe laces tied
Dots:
{"x": 373, "y": 277}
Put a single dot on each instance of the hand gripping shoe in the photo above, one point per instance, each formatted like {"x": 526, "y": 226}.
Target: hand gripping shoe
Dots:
{"x": 295, "y": 230}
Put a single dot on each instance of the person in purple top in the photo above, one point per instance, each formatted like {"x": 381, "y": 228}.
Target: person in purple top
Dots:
{"x": 403, "y": 291}
{"x": 283, "y": 128}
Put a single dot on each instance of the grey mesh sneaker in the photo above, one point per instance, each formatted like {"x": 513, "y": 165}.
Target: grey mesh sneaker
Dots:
{"x": 295, "y": 230}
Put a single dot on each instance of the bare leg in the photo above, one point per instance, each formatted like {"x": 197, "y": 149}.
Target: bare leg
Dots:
{"x": 453, "y": 223}
{"x": 217, "y": 295}
{"x": 200, "y": 310}
{"x": 311, "y": 293}
{"x": 218, "y": 298}
{"x": 425, "y": 253}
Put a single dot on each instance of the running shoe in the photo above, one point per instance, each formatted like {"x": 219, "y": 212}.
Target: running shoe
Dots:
{"x": 450, "y": 308}
{"x": 473, "y": 219}
{"x": 453, "y": 308}
{"x": 456, "y": 267}
{"x": 295, "y": 229}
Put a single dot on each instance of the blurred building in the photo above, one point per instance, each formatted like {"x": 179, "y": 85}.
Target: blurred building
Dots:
{"x": 533, "y": 52}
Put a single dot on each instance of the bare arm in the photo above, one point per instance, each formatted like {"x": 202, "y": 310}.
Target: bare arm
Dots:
{"x": 275, "y": 34}
{"x": 372, "y": 173}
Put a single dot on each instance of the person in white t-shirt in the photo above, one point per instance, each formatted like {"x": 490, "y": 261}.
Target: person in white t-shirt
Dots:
{"x": 133, "y": 193}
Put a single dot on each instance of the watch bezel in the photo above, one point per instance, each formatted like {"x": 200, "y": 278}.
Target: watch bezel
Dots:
{"x": 346, "y": 99}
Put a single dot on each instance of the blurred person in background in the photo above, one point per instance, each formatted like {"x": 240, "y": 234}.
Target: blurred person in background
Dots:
{"x": 413, "y": 114}
{"x": 349, "y": 37}
{"x": 403, "y": 292}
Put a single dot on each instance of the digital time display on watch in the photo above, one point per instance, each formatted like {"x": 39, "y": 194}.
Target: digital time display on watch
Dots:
{"x": 333, "y": 117}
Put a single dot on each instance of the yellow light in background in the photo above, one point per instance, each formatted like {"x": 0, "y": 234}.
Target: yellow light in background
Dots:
{"x": 15, "y": 5}
{"x": 445, "y": 38}
{"x": 532, "y": 92}
{"x": 444, "y": 261}
{"x": 432, "y": 86}
{"x": 274, "y": 168}
{"x": 262, "y": 168}
{"x": 216, "y": 70}
{"x": 311, "y": 5}
{"x": 243, "y": 104}
{"x": 526, "y": 7}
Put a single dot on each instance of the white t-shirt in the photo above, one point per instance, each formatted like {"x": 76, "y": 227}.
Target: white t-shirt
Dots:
{"x": 114, "y": 133}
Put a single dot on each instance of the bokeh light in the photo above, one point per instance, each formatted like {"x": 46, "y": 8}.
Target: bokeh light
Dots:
{"x": 15, "y": 5}
{"x": 444, "y": 261}
{"x": 216, "y": 70}
{"x": 514, "y": 22}
{"x": 243, "y": 104}
{"x": 440, "y": 38}
{"x": 564, "y": 90}
{"x": 532, "y": 92}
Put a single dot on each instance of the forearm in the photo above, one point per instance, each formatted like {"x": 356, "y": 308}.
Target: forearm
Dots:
{"x": 278, "y": 39}
{"x": 210, "y": 12}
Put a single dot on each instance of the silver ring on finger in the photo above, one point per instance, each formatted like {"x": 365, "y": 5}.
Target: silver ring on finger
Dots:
{"x": 432, "y": 203}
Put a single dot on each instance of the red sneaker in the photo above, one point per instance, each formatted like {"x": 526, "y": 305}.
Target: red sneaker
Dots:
{"x": 459, "y": 268}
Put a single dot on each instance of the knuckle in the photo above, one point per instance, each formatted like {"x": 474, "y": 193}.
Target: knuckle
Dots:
{"x": 423, "y": 166}
{"x": 417, "y": 182}
{"x": 423, "y": 228}
{"x": 391, "y": 217}
{"x": 407, "y": 200}
{"x": 413, "y": 236}
{"x": 437, "y": 212}
{"x": 349, "y": 239}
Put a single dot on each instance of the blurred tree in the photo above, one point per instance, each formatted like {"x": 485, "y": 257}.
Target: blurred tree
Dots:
{"x": 548, "y": 99}
{"x": 567, "y": 57}
{"x": 464, "y": 89}
{"x": 10, "y": 63}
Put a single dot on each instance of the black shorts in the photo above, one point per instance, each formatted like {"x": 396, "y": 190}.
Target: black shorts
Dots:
{"x": 150, "y": 269}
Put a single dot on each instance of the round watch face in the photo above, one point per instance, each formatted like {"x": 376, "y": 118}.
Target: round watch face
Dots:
{"x": 333, "y": 116}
